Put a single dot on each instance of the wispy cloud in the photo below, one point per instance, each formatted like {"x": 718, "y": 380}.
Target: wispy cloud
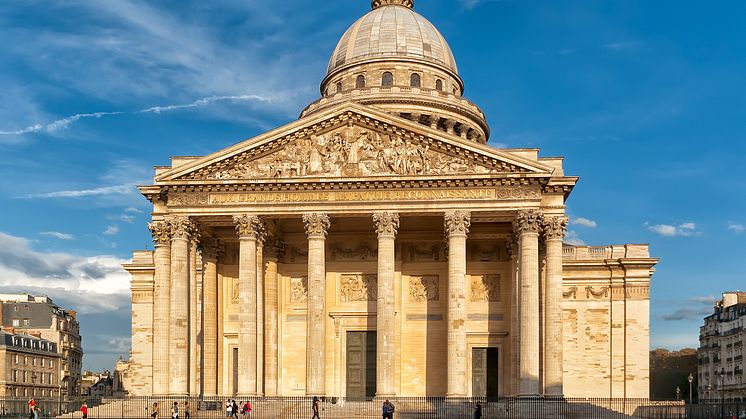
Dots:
{"x": 573, "y": 238}
{"x": 584, "y": 222}
{"x": 624, "y": 45}
{"x": 668, "y": 230}
{"x": 57, "y": 234}
{"x": 694, "y": 308}
{"x": 65, "y": 123}
{"x": 111, "y": 230}
{"x": 736, "y": 228}
{"x": 104, "y": 190}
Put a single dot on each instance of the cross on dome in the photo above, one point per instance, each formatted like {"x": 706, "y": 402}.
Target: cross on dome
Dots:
{"x": 378, "y": 3}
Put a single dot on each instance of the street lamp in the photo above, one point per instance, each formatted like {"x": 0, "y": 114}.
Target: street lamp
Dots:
{"x": 690, "y": 379}
{"x": 722, "y": 392}
{"x": 678, "y": 393}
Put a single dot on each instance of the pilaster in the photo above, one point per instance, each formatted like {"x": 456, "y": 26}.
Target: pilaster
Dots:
{"x": 161, "y": 233}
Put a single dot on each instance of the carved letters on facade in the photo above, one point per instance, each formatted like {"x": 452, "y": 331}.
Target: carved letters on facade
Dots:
{"x": 424, "y": 288}
{"x": 299, "y": 289}
{"x": 350, "y": 152}
{"x": 359, "y": 287}
{"x": 485, "y": 288}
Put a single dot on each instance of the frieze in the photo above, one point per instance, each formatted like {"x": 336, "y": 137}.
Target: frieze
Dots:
{"x": 600, "y": 293}
{"x": 358, "y": 287}
{"x": 299, "y": 289}
{"x": 483, "y": 252}
{"x": 424, "y": 288}
{"x": 570, "y": 292}
{"x": 485, "y": 288}
{"x": 362, "y": 252}
{"x": 142, "y": 297}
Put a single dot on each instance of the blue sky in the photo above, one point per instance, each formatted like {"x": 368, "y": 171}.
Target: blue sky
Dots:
{"x": 644, "y": 99}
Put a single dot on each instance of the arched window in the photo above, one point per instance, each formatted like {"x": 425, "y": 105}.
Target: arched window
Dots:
{"x": 360, "y": 82}
{"x": 439, "y": 85}
{"x": 387, "y": 80}
{"x": 415, "y": 80}
{"x": 339, "y": 87}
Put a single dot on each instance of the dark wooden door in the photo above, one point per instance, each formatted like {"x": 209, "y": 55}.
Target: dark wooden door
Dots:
{"x": 361, "y": 365}
{"x": 234, "y": 369}
{"x": 484, "y": 373}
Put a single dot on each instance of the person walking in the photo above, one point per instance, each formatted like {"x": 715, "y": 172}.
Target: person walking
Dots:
{"x": 235, "y": 409}
{"x": 315, "y": 408}
{"x": 246, "y": 409}
{"x": 84, "y": 409}
{"x": 175, "y": 411}
{"x": 477, "y": 411}
{"x": 156, "y": 411}
{"x": 228, "y": 408}
{"x": 186, "y": 410}
{"x": 31, "y": 408}
{"x": 387, "y": 410}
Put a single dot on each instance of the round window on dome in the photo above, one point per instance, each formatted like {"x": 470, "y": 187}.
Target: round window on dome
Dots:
{"x": 360, "y": 82}
{"x": 415, "y": 80}
{"x": 387, "y": 79}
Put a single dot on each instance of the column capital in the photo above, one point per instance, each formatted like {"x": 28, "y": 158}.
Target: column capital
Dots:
{"x": 554, "y": 228}
{"x": 527, "y": 221}
{"x": 511, "y": 244}
{"x": 161, "y": 232}
{"x": 210, "y": 248}
{"x": 317, "y": 224}
{"x": 387, "y": 223}
{"x": 248, "y": 226}
{"x": 182, "y": 226}
{"x": 274, "y": 248}
{"x": 457, "y": 223}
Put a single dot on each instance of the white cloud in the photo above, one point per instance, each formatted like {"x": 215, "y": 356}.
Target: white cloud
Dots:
{"x": 57, "y": 234}
{"x": 111, "y": 230}
{"x": 88, "y": 284}
{"x": 573, "y": 238}
{"x": 104, "y": 190}
{"x": 581, "y": 221}
{"x": 681, "y": 230}
{"x": 133, "y": 209}
{"x": 622, "y": 45}
{"x": 736, "y": 228}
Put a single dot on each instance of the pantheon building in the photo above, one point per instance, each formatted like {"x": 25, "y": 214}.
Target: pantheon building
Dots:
{"x": 379, "y": 247}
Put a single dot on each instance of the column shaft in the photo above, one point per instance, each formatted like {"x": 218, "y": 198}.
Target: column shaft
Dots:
{"x": 247, "y": 227}
{"x": 316, "y": 228}
{"x": 514, "y": 316}
{"x": 161, "y": 306}
{"x": 210, "y": 320}
{"x": 260, "y": 316}
{"x": 554, "y": 230}
{"x": 528, "y": 233}
{"x": 193, "y": 376}
{"x": 179, "y": 324}
{"x": 386, "y": 225}
{"x": 457, "y": 227}
{"x": 270, "y": 324}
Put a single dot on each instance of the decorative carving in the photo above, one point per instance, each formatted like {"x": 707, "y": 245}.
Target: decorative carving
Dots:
{"x": 457, "y": 223}
{"x": 210, "y": 247}
{"x": 188, "y": 199}
{"x": 485, "y": 288}
{"x": 317, "y": 224}
{"x": 349, "y": 152}
{"x": 161, "y": 232}
{"x": 554, "y": 227}
{"x": 518, "y": 192}
{"x": 248, "y": 226}
{"x": 417, "y": 253}
{"x": 511, "y": 244}
{"x": 297, "y": 255}
{"x": 362, "y": 252}
{"x": 181, "y": 226}
{"x": 424, "y": 288}
{"x": 359, "y": 287}
{"x": 478, "y": 252}
{"x": 527, "y": 221}
{"x": 299, "y": 289}
{"x": 378, "y": 3}
{"x": 571, "y": 292}
{"x": 603, "y": 292}
{"x": 235, "y": 290}
{"x": 274, "y": 248}
{"x": 387, "y": 223}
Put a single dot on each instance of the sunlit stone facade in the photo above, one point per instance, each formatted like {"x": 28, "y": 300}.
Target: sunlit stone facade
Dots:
{"x": 378, "y": 247}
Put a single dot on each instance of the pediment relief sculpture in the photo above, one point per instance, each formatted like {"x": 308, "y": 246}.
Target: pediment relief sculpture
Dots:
{"x": 349, "y": 151}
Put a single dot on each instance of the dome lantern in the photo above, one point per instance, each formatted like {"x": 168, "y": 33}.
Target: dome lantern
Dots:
{"x": 378, "y": 3}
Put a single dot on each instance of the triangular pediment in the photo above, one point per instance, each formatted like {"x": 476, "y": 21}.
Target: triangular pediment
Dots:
{"x": 351, "y": 141}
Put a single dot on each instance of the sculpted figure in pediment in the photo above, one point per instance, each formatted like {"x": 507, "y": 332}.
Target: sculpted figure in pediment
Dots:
{"x": 350, "y": 152}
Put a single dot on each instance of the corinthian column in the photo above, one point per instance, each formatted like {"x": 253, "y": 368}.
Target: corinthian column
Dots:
{"x": 554, "y": 231}
{"x": 161, "y": 232}
{"x": 512, "y": 247}
{"x": 317, "y": 225}
{"x": 179, "y": 334}
{"x": 261, "y": 238}
{"x": 527, "y": 229}
{"x": 248, "y": 228}
{"x": 457, "y": 225}
{"x": 387, "y": 223}
{"x": 193, "y": 345}
{"x": 272, "y": 252}
{"x": 209, "y": 317}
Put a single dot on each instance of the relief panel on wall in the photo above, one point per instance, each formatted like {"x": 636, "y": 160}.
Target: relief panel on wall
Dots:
{"x": 358, "y": 287}
{"x": 424, "y": 288}
{"x": 299, "y": 289}
{"x": 485, "y": 288}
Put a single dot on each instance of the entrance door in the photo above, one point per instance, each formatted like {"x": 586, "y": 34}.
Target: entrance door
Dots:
{"x": 361, "y": 365}
{"x": 484, "y": 373}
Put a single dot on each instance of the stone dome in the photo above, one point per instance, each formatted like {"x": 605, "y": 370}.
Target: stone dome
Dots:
{"x": 392, "y": 30}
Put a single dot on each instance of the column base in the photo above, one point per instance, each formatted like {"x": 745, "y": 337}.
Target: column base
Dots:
{"x": 530, "y": 396}
{"x": 382, "y": 397}
{"x": 554, "y": 397}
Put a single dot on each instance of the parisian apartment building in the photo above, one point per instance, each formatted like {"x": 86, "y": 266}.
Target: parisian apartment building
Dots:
{"x": 38, "y": 317}
{"x": 720, "y": 355}
{"x": 31, "y": 366}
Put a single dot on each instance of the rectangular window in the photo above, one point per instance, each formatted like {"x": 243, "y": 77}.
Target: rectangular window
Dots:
{"x": 25, "y": 322}
{"x": 51, "y": 378}
{"x": 15, "y": 376}
{"x": 25, "y": 360}
{"x": 16, "y": 322}
{"x": 25, "y": 376}
{"x": 51, "y": 363}
{"x": 41, "y": 379}
{"x": 33, "y": 361}
{"x": 15, "y": 358}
